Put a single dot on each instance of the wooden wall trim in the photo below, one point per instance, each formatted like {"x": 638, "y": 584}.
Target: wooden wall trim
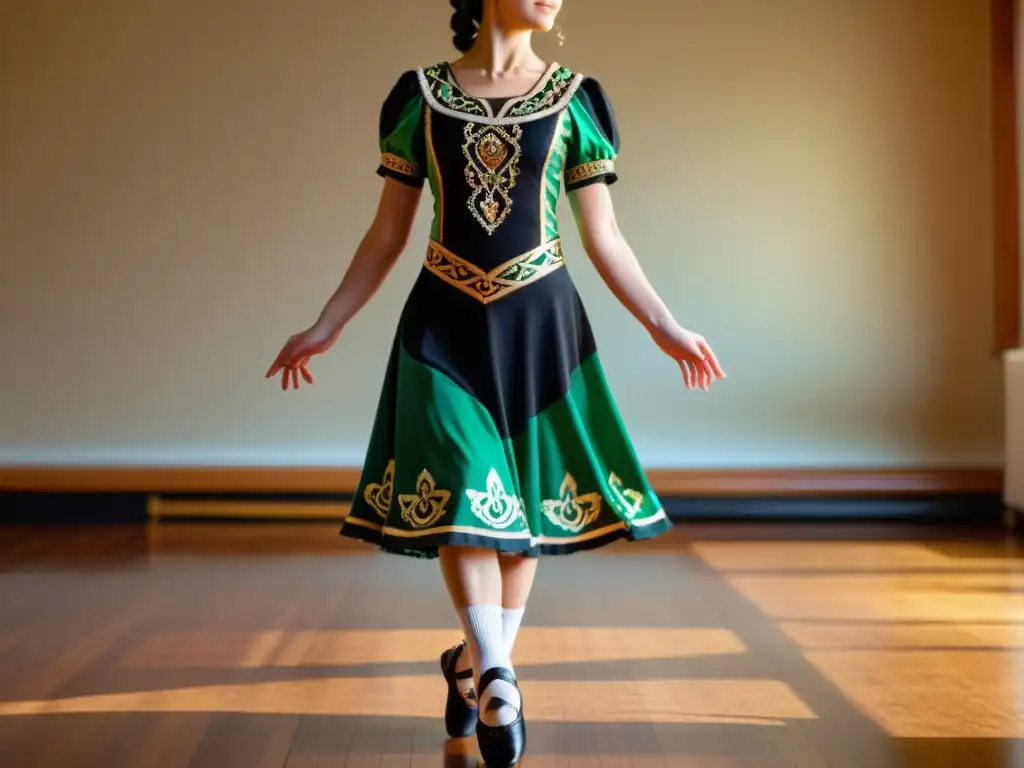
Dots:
{"x": 1006, "y": 182}
{"x": 343, "y": 480}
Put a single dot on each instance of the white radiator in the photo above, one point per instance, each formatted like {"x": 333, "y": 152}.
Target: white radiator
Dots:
{"x": 1013, "y": 393}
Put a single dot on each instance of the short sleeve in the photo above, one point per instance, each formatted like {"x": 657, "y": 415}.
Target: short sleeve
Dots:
{"x": 594, "y": 144}
{"x": 402, "y": 140}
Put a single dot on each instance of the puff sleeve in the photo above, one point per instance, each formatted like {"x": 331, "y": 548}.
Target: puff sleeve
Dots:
{"x": 594, "y": 144}
{"x": 401, "y": 136}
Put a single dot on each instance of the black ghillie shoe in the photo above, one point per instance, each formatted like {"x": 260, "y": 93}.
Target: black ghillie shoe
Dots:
{"x": 459, "y": 717}
{"x": 501, "y": 746}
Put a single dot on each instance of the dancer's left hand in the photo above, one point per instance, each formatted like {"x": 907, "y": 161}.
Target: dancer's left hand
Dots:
{"x": 692, "y": 352}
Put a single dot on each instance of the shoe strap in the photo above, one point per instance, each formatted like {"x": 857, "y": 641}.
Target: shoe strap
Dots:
{"x": 496, "y": 673}
{"x": 457, "y": 652}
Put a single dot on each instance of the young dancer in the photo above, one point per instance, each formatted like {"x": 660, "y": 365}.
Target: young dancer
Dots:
{"x": 496, "y": 439}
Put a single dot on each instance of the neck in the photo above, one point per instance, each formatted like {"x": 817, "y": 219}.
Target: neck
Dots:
{"x": 498, "y": 50}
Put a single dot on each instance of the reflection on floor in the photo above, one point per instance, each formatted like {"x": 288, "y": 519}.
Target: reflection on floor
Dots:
{"x": 273, "y": 645}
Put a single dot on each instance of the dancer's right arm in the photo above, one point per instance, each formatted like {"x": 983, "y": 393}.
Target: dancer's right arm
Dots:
{"x": 376, "y": 255}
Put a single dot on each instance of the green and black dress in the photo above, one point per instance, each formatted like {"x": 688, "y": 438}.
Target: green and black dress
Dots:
{"x": 495, "y": 427}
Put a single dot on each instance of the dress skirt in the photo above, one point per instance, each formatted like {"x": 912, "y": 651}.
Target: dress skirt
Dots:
{"x": 495, "y": 428}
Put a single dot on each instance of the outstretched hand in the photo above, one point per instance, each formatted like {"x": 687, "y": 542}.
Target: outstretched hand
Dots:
{"x": 691, "y": 351}
{"x": 292, "y": 361}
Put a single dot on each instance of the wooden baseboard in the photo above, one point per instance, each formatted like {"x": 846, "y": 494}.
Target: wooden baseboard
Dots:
{"x": 160, "y": 508}
{"x": 343, "y": 481}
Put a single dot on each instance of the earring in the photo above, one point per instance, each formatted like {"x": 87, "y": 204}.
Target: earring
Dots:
{"x": 560, "y": 35}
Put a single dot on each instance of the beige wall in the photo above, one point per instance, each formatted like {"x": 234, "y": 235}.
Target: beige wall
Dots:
{"x": 808, "y": 183}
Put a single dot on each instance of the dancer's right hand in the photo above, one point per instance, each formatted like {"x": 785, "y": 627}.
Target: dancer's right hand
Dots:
{"x": 293, "y": 359}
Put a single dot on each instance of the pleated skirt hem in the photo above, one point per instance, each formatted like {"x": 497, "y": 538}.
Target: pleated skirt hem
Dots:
{"x": 426, "y": 546}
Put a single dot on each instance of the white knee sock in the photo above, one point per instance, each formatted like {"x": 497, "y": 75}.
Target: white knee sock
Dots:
{"x": 485, "y": 638}
{"x": 511, "y": 618}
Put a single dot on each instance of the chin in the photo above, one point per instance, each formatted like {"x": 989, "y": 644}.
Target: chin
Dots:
{"x": 540, "y": 14}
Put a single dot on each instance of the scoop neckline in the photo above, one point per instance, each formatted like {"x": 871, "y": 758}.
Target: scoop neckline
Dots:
{"x": 534, "y": 90}
{"x": 445, "y": 95}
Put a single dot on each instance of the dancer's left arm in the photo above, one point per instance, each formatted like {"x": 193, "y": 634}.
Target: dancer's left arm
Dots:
{"x": 618, "y": 266}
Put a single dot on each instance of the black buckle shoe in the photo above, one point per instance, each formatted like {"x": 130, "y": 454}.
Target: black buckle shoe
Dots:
{"x": 459, "y": 717}
{"x": 501, "y": 746}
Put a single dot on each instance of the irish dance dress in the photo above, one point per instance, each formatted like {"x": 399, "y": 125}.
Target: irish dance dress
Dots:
{"x": 495, "y": 427}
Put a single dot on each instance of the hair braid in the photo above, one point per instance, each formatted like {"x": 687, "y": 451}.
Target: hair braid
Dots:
{"x": 465, "y": 22}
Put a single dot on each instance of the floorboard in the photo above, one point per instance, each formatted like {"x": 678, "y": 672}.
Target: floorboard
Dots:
{"x": 285, "y": 646}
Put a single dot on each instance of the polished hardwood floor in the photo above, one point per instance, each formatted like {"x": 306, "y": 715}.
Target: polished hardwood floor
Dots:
{"x": 262, "y": 646}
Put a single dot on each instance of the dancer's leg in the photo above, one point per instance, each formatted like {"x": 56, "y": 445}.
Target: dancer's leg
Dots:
{"x": 473, "y": 579}
{"x": 472, "y": 576}
{"x": 517, "y": 575}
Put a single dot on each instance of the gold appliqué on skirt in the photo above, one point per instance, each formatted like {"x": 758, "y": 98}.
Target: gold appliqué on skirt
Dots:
{"x": 427, "y": 505}
{"x": 495, "y": 506}
{"x": 572, "y": 511}
{"x": 630, "y": 501}
{"x": 379, "y": 495}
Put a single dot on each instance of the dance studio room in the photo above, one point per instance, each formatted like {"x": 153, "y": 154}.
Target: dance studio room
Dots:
{"x": 566, "y": 383}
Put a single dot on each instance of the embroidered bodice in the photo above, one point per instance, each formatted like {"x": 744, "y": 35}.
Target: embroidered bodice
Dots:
{"x": 496, "y": 168}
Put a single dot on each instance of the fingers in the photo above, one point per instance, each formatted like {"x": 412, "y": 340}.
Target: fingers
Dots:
{"x": 290, "y": 374}
{"x": 281, "y": 364}
{"x": 709, "y": 357}
{"x": 700, "y": 373}
{"x": 689, "y": 374}
{"x": 289, "y": 380}
{"x": 290, "y": 366}
{"x": 705, "y": 376}
{"x": 275, "y": 366}
{"x": 283, "y": 358}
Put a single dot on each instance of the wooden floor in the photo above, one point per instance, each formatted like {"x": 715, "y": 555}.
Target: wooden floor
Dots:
{"x": 265, "y": 646}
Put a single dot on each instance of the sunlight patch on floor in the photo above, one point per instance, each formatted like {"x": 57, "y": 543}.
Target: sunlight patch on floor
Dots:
{"x": 326, "y": 648}
{"x": 926, "y": 644}
{"x": 752, "y": 702}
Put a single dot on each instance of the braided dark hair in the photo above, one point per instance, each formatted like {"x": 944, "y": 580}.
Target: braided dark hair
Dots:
{"x": 467, "y": 18}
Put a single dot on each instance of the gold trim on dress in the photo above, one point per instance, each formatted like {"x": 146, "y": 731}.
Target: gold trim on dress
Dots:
{"x": 594, "y": 533}
{"x": 552, "y": 93}
{"x": 504, "y": 279}
{"x": 589, "y": 170}
{"x": 379, "y": 495}
{"x": 548, "y": 186}
{"x": 496, "y": 506}
{"x": 630, "y": 500}
{"x": 492, "y": 168}
{"x": 368, "y": 524}
{"x": 400, "y": 165}
{"x": 427, "y": 505}
{"x": 572, "y": 511}
{"x": 428, "y": 122}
